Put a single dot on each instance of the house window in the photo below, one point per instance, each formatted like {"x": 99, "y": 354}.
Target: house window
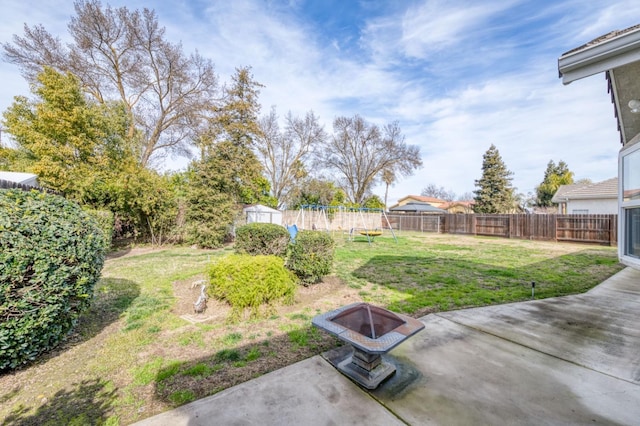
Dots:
{"x": 631, "y": 176}
{"x": 632, "y": 225}
{"x": 629, "y": 198}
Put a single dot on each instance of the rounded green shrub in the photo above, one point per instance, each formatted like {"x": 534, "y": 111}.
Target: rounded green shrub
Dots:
{"x": 262, "y": 238}
{"x": 311, "y": 256}
{"x": 51, "y": 255}
{"x": 251, "y": 282}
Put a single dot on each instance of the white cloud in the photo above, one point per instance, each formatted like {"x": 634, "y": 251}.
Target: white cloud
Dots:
{"x": 436, "y": 25}
{"x": 458, "y": 77}
{"x": 613, "y": 16}
{"x": 530, "y": 120}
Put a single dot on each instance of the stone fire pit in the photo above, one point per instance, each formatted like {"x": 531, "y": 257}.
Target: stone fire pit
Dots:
{"x": 371, "y": 331}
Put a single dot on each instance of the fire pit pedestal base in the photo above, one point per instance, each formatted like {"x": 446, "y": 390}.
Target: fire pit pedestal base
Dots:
{"x": 371, "y": 332}
{"x": 369, "y": 370}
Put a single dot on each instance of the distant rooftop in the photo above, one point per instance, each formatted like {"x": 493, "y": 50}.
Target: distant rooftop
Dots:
{"x": 604, "y": 189}
{"x": 417, "y": 207}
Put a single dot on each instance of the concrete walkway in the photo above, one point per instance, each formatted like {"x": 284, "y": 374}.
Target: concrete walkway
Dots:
{"x": 561, "y": 361}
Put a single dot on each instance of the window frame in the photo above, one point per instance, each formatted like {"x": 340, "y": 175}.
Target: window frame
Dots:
{"x": 624, "y": 206}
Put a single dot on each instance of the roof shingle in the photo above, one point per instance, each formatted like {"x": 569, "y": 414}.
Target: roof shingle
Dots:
{"x": 604, "y": 189}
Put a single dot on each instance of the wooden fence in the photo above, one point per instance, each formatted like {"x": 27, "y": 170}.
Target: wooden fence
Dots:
{"x": 588, "y": 228}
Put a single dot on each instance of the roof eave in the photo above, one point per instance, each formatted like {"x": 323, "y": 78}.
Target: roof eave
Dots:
{"x": 593, "y": 197}
{"x": 600, "y": 57}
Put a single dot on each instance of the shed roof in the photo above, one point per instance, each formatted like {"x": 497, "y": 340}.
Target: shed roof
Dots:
{"x": 20, "y": 177}
{"x": 261, "y": 209}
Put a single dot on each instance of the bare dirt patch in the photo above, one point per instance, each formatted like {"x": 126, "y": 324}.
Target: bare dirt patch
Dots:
{"x": 231, "y": 353}
{"x": 61, "y": 380}
{"x": 330, "y": 292}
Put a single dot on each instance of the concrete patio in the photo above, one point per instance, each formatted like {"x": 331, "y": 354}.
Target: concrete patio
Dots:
{"x": 566, "y": 360}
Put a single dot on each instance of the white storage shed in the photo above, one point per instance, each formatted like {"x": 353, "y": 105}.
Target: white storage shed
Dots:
{"x": 263, "y": 214}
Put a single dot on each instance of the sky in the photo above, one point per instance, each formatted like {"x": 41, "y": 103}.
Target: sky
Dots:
{"x": 457, "y": 75}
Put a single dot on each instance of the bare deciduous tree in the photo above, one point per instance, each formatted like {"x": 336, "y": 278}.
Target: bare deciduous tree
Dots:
{"x": 360, "y": 152}
{"x": 283, "y": 155}
{"x": 432, "y": 190}
{"x": 122, "y": 54}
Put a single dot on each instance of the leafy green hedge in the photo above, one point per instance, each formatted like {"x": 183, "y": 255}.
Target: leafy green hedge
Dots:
{"x": 311, "y": 256}
{"x": 51, "y": 255}
{"x": 262, "y": 238}
{"x": 106, "y": 222}
{"x": 251, "y": 282}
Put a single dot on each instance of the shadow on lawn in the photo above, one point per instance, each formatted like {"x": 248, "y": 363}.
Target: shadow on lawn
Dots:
{"x": 432, "y": 283}
{"x": 178, "y": 383}
{"x": 112, "y": 297}
{"x": 89, "y": 402}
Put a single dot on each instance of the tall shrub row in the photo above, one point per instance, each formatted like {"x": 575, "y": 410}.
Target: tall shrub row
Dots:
{"x": 267, "y": 265}
{"x": 51, "y": 255}
{"x": 309, "y": 256}
{"x": 262, "y": 239}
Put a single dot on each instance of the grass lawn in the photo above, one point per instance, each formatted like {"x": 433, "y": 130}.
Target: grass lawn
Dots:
{"x": 140, "y": 350}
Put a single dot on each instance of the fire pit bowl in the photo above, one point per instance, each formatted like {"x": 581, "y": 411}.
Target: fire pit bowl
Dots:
{"x": 371, "y": 331}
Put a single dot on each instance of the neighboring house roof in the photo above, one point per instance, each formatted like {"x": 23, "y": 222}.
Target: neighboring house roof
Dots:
{"x": 420, "y": 199}
{"x": 28, "y": 179}
{"x": 417, "y": 207}
{"x": 563, "y": 190}
{"x": 618, "y": 55}
{"x": 450, "y": 204}
{"x": 602, "y": 190}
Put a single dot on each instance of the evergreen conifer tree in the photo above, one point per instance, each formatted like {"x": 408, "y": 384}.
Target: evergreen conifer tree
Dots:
{"x": 554, "y": 176}
{"x": 229, "y": 175}
{"x": 495, "y": 193}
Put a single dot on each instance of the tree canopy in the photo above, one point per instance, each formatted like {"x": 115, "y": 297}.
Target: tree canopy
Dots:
{"x": 554, "y": 177}
{"x": 229, "y": 174}
{"x": 316, "y": 191}
{"x": 235, "y": 118}
{"x": 69, "y": 142}
{"x": 494, "y": 193}
{"x": 119, "y": 96}
{"x": 359, "y": 152}
{"x": 432, "y": 190}
{"x": 285, "y": 155}
{"x": 80, "y": 148}
{"x": 123, "y": 55}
